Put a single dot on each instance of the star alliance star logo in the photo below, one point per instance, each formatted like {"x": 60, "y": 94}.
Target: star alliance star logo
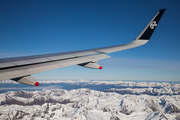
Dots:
{"x": 153, "y": 24}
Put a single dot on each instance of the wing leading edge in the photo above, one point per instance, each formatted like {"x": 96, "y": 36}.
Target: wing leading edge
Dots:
{"x": 20, "y": 68}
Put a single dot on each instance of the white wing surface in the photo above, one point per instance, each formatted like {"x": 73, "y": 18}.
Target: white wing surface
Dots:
{"x": 20, "y": 68}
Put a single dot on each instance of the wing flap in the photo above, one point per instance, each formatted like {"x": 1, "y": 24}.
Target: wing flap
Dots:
{"x": 60, "y": 57}
{"x": 30, "y": 61}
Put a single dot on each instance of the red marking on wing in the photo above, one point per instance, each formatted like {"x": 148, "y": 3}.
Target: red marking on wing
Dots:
{"x": 100, "y": 67}
{"x": 36, "y": 84}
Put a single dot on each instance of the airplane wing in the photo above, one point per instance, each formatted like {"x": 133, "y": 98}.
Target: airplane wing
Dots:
{"x": 20, "y": 68}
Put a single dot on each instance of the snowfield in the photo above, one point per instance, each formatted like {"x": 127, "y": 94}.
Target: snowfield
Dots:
{"x": 87, "y": 104}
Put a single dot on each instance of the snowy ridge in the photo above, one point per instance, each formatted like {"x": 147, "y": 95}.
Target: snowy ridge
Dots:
{"x": 86, "y": 104}
{"x": 147, "y": 91}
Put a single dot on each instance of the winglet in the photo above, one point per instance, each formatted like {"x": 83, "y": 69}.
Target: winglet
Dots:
{"x": 149, "y": 29}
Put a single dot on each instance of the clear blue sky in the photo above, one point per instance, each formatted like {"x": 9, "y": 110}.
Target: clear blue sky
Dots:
{"x": 31, "y": 27}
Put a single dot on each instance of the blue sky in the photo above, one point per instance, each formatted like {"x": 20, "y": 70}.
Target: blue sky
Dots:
{"x": 32, "y": 27}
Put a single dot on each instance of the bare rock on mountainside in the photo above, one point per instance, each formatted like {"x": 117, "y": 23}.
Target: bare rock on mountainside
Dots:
{"x": 24, "y": 94}
{"x": 152, "y": 105}
{"x": 114, "y": 118}
{"x": 30, "y": 98}
{"x": 173, "y": 109}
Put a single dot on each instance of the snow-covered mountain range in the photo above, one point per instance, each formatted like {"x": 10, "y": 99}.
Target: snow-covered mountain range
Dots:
{"x": 122, "y": 87}
{"x": 87, "y": 104}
